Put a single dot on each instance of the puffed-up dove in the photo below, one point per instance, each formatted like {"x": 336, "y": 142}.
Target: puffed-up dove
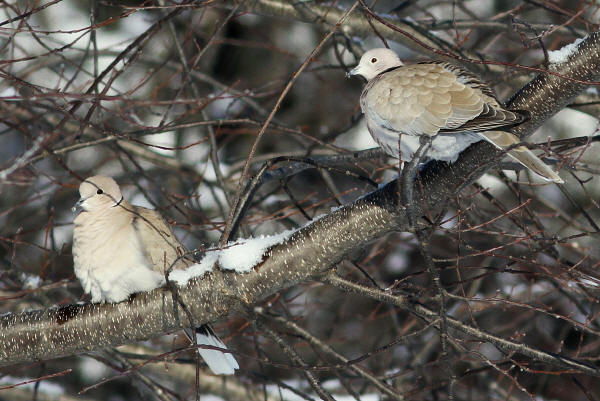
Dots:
{"x": 442, "y": 101}
{"x": 120, "y": 249}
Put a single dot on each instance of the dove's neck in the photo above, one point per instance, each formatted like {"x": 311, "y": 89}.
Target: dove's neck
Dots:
{"x": 395, "y": 67}
{"x": 122, "y": 212}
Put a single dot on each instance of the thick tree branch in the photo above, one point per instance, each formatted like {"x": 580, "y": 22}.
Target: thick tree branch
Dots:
{"x": 312, "y": 251}
{"x": 55, "y": 332}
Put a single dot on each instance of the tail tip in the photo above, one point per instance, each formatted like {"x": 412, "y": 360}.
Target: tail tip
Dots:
{"x": 554, "y": 177}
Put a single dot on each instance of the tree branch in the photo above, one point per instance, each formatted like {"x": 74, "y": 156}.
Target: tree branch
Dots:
{"x": 310, "y": 252}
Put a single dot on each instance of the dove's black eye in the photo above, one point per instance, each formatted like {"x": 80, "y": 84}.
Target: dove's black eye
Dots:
{"x": 99, "y": 192}
{"x": 373, "y": 60}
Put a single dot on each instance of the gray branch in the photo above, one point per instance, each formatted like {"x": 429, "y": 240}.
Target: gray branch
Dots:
{"x": 309, "y": 253}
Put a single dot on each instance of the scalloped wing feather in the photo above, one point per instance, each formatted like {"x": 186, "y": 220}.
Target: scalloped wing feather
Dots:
{"x": 160, "y": 246}
{"x": 432, "y": 98}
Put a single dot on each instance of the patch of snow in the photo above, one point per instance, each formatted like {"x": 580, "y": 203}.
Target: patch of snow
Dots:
{"x": 181, "y": 277}
{"x": 240, "y": 256}
{"x": 563, "y": 54}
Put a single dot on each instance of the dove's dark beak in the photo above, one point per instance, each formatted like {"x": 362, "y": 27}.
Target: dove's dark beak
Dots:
{"x": 78, "y": 205}
{"x": 352, "y": 72}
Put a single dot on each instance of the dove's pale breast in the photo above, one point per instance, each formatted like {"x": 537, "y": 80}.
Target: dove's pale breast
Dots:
{"x": 108, "y": 257}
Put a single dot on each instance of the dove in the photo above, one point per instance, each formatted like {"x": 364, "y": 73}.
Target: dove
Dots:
{"x": 451, "y": 106}
{"x": 120, "y": 249}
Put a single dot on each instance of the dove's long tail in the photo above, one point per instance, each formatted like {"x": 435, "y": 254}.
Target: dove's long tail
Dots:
{"x": 523, "y": 155}
{"x": 220, "y": 363}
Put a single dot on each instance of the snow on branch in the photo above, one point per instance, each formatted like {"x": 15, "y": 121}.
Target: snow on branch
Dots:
{"x": 307, "y": 253}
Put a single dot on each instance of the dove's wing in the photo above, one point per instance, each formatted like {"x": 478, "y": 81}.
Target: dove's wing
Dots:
{"x": 159, "y": 245}
{"x": 432, "y": 98}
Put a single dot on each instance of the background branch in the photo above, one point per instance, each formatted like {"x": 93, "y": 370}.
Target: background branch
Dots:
{"x": 168, "y": 98}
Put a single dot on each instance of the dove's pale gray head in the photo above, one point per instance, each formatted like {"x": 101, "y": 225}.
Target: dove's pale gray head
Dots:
{"x": 376, "y": 61}
{"x": 99, "y": 193}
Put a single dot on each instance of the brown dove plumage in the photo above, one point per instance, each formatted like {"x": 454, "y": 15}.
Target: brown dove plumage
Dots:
{"x": 120, "y": 249}
{"x": 442, "y": 101}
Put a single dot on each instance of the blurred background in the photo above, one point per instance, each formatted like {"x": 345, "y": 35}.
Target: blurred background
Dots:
{"x": 169, "y": 99}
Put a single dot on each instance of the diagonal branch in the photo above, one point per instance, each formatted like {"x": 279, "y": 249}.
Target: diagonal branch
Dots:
{"x": 310, "y": 252}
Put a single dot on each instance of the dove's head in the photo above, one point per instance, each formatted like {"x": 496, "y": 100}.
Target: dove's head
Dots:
{"x": 99, "y": 193}
{"x": 374, "y": 62}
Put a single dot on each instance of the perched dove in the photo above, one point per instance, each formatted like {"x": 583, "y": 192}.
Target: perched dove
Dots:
{"x": 120, "y": 249}
{"x": 440, "y": 100}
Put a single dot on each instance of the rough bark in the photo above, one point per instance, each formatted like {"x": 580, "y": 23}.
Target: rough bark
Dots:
{"x": 311, "y": 251}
